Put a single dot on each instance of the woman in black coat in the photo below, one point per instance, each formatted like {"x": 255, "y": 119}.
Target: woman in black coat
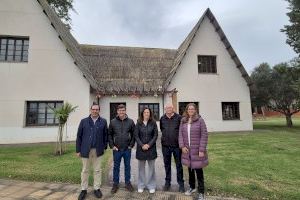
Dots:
{"x": 146, "y": 135}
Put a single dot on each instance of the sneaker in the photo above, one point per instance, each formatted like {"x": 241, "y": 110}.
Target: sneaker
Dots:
{"x": 114, "y": 189}
{"x": 98, "y": 193}
{"x": 201, "y": 196}
{"x": 82, "y": 195}
{"x": 190, "y": 191}
{"x": 152, "y": 191}
{"x": 181, "y": 189}
{"x": 167, "y": 187}
{"x": 140, "y": 190}
{"x": 129, "y": 187}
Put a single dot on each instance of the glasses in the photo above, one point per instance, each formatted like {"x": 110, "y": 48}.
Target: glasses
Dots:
{"x": 95, "y": 109}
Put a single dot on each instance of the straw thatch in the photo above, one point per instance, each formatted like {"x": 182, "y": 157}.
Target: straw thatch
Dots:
{"x": 128, "y": 70}
{"x": 132, "y": 70}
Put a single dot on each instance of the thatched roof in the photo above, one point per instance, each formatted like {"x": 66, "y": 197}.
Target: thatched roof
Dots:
{"x": 131, "y": 70}
{"x": 128, "y": 70}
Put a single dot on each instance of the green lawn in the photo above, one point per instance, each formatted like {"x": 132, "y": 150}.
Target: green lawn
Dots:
{"x": 37, "y": 163}
{"x": 263, "y": 164}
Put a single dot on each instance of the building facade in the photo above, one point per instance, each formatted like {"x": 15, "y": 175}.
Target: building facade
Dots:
{"x": 42, "y": 66}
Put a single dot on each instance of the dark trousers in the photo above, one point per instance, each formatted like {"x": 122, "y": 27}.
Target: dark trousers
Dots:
{"x": 118, "y": 155}
{"x": 167, "y": 154}
{"x": 200, "y": 178}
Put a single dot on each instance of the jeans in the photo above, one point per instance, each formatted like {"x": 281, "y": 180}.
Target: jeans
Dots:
{"x": 118, "y": 155}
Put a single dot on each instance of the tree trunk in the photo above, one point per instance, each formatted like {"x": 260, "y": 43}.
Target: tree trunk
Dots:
{"x": 59, "y": 144}
{"x": 289, "y": 121}
{"x": 61, "y": 139}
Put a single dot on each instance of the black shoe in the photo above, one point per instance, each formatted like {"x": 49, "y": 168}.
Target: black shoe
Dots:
{"x": 181, "y": 189}
{"x": 167, "y": 187}
{"x": 129, "y": 187}
{"x": 114, "y": 189}
{"x": 98, "y": 193}
{"x": 82, "y": 195}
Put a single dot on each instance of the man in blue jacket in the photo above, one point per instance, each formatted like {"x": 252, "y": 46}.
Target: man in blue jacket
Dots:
{"x": 91, "y": 143}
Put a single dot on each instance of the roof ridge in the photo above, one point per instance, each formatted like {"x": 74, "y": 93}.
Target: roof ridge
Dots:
{"x": 182, "y": 49}
{"x": 126, "y": 47}
{"x": 71, "y": 44}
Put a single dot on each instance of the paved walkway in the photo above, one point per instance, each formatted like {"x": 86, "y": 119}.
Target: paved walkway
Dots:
{"x": 15, "y": 190}
{"x": 159, "y": 170}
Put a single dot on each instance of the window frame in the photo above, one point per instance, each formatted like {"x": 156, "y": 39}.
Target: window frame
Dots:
{"x": 37, "y": 124}
{"x": 22, "y": 53}
{"x": 147, "y": 105}
{"x": 235, "y": 112}
{"x": 209, "y": 70}
{"x": 111, "y": 106}
{"x": 186, "y": 103}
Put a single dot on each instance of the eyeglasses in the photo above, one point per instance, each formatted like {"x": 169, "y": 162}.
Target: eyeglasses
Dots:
{"x": 95, "y": 109}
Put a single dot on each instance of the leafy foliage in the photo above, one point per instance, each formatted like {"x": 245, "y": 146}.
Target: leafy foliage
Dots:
{"x": 62, "y": 9}
{"x": 293, "y": 30}
{"x": 278, "y": 88}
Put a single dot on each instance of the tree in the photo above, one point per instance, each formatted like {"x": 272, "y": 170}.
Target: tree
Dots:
{"x": 285, "y": 96}
{"x": 62, "y": 114}
{"x": 261, "y": 76}
{"x": 62, "y": 9}
{"x": 293, "y": 30}
{"x": 278, "y": 88}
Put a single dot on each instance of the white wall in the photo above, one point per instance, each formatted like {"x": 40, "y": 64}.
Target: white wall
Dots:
{"x": 50, "y": 74}
{"x": 131, "y": 105}
{"x": 212, "y": 89}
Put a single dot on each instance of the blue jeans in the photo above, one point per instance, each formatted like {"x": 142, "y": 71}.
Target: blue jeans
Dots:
{"x": 118, "y": 155}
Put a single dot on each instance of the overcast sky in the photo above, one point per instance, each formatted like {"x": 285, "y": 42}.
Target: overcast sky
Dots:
{"x": 252, "y": 26}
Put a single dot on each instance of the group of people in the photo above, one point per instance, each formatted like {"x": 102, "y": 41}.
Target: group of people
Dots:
{"x": 183, "y": 137}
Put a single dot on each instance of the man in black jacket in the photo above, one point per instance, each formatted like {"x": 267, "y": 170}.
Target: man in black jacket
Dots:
{"x": 121, "y": 140}
{"x": 91, "y": 143}
{"x": 169, "y": 126}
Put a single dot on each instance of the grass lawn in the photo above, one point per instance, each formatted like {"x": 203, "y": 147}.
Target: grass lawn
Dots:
{"x": 263, "y": 164}
{"x": 37, "y": 163}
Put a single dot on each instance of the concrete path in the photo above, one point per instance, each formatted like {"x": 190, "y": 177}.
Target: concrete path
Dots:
{"x": 17, "y": 190}
{"x": 159, "y": 170}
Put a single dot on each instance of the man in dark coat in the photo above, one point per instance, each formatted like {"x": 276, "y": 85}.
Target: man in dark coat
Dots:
{"x": 91, "y": 143}
{"x": 121, "y": 140}
{"x": 169, "y": 126}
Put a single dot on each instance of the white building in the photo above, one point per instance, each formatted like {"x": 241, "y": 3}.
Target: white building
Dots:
{"x": 42, "y": 64}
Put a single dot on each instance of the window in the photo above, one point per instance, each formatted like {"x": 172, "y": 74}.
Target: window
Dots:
{"x": 230, "y": 110}
{"x": 154, "y": 108}
{"x": 182, "y": 106}
{"x": 14, "y": 49}
{"x": 39, "y": 113}
{"x": 207, "y": 64}
{"x": 113, "y": 109}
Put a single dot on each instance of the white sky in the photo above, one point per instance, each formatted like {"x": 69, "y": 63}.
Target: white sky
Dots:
{"x": 252, "y": 26}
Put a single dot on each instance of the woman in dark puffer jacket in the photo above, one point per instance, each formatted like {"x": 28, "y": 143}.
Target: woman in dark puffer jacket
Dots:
{"x": 193, "y": 139}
